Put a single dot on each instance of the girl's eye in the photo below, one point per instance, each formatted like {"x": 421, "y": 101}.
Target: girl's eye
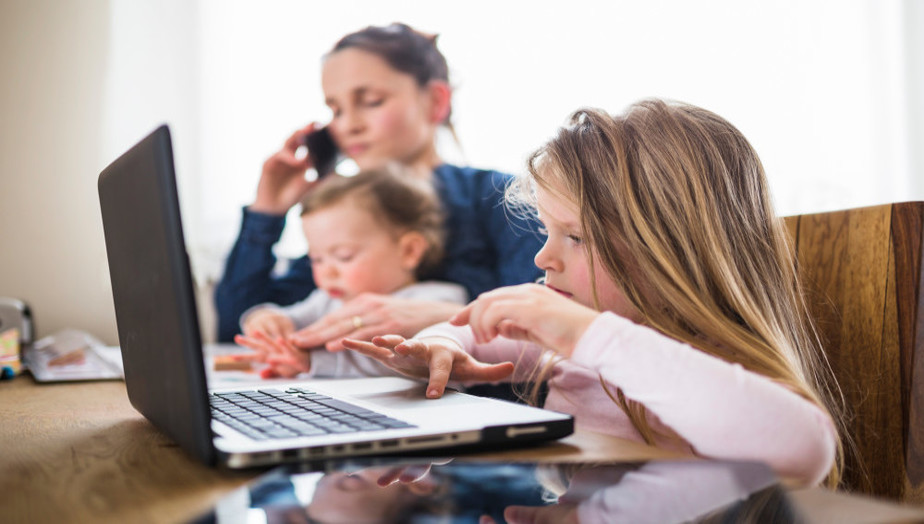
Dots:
{"x": 374, "y": 102}
{"x": 344, "y": 257}
{"x": 576, "y": 239}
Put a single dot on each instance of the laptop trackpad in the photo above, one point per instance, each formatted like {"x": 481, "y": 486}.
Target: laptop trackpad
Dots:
{"x": 415, "y": 398}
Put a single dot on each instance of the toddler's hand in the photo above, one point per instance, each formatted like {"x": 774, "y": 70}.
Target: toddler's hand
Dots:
{"x": 283, "y": 358}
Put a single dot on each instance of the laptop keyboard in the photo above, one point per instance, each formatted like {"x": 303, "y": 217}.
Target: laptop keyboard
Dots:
{"x": 295, "y": 412}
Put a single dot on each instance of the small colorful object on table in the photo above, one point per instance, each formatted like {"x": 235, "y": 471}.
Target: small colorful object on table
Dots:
{"x": 10, "y": 363}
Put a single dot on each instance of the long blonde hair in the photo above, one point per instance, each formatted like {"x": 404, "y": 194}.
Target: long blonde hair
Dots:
{"x": 682, "y": 192}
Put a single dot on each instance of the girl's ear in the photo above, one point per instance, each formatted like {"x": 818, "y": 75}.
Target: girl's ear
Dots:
{"x": 440, "y": 101}
{"x": 413, "y": 246}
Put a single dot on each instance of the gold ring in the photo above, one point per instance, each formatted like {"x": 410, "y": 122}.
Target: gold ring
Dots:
{"x": 357, "y": 322}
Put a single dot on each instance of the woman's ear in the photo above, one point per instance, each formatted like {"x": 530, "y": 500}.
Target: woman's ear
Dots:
{"x": 440, "y": 101}
{"x": 413, "y": 246}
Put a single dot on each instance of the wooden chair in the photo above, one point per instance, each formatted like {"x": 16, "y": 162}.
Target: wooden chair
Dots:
{"x": 862, "y": 272}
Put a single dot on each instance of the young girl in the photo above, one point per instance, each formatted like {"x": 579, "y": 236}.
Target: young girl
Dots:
{"x": 671, "y": 307}
{"x": 377, "y": 232}
{"x": 388, "y": 90}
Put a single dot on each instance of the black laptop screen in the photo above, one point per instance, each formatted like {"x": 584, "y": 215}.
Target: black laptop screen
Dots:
{"x": 153, "y": 293}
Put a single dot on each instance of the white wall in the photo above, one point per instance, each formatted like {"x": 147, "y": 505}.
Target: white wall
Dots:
{"x": 234, "y": 78}
{"x": 52, "y": 64}
{"x": 824, "y": 89}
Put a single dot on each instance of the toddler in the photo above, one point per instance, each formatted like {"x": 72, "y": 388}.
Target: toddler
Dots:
{"x": 377, "y": 232}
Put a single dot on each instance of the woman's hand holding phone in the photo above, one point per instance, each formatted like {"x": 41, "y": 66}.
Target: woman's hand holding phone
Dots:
{"x": 283, "y": 183}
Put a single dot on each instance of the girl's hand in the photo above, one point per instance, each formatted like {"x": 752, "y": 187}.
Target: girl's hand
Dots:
{"x": 283, "y": 358}
{"x": 438, "y": 359}
{"x": 269, "y": 322}
{"x": 529, "y": 312}
{"x": 283, "y": 184}
{"x": 369, "y": 315}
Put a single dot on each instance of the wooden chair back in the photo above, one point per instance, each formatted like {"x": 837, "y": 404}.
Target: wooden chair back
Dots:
{"x": 862, "y": 272}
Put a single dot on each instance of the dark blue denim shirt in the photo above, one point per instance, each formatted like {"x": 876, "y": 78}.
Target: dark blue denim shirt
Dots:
{"x": 487, "y": 247}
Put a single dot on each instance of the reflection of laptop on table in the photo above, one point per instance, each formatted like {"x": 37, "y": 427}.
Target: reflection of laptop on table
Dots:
{"x": 165, "y": 373}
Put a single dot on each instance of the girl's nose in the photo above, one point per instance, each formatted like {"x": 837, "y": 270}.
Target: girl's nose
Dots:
{"x": 546, "y": 260}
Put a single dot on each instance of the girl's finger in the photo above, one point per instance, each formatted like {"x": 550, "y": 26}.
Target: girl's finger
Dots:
{"x": 475, "y": 318}
{"x": 367, "y": 348}
{"x": 496, "y": 312}
{"x": 440, "y": 368}
{"x": 489, "y": 310}
{"x": 388, "y": 341}
{"x": 462, "y": 317}
{"x": 413, "y": 348}
{"x": 485, "y": 372}
{"x": 508, "y": 329}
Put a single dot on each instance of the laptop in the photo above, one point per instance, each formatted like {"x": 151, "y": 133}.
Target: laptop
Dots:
{"x": 165, "y": 374}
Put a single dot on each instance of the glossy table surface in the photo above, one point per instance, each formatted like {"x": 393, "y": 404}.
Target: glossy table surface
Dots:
{"x": 80, "y": 453}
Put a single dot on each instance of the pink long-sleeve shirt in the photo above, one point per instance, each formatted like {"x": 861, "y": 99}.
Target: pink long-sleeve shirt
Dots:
{"x": 719, "y": 409}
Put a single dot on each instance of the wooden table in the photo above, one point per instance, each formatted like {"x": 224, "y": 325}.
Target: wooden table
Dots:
{"x": 81, "y": 453}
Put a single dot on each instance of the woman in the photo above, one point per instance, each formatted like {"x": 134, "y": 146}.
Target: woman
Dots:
{"x": 388, "y": 90}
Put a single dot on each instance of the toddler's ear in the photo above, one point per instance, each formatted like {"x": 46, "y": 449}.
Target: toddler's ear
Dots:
{"x": 413, "y": 246}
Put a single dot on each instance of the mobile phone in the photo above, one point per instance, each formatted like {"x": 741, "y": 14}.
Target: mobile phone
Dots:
{"x": 323, "y": 151}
